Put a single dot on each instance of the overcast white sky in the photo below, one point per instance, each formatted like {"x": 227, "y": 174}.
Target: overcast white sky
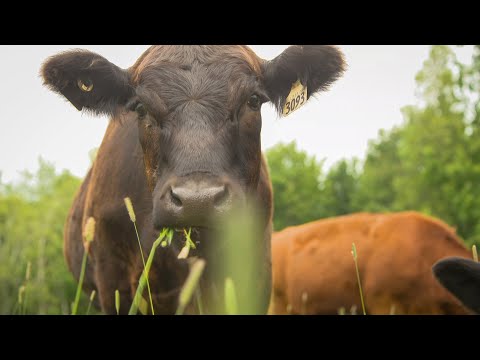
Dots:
{"x": 35, "y": 122}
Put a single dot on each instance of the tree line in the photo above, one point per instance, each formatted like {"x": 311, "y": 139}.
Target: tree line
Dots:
{"x": 429, "y": 163}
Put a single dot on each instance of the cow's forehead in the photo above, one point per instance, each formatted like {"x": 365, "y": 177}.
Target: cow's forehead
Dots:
{"x": 216, "y": 76}
{"x": 186, "y": 56}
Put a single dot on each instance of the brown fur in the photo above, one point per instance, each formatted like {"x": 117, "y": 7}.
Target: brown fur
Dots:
{"x": 156, "y": 55}
{"x": 395, "y": 255}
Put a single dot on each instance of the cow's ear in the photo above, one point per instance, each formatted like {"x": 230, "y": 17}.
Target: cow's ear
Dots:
{"x": 87, "y": 80}
{"x": 316, "y": 66}
{"x": 461, "y": 277}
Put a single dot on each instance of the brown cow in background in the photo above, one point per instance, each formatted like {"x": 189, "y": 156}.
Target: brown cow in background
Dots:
{"x": 314, "y": 271}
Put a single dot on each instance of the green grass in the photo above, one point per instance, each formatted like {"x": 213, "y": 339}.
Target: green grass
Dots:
{"x": 131, "y": 213}
{"x": 190, "y": 291}
{"x": 354, "y": 254}
{"x": 88, "y": 234}
{"x": 198, "y": 298}
{"x": 92, "y": 296}
{"x": 164, "y": 239}
{"x": 190, "y": 285}
{"x": 21, "y": 305}
{"x": 144, "y": 277}
{"x": 80, "y": 284}
{"x": 230, "y": 297}
{"x": 117, "y": 301}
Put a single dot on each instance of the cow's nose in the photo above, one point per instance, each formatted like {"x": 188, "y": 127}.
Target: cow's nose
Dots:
{"x": 200, "y": 198}
{"x": 192, "y": 203}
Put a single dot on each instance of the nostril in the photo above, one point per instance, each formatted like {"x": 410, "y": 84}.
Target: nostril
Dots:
{"x": 175, "y": 198}
{"x": 221, "y": 196}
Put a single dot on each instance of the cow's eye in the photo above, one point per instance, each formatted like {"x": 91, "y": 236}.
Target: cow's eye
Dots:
{"x": 254, "y": 102}
{"x": 141, "y": 110}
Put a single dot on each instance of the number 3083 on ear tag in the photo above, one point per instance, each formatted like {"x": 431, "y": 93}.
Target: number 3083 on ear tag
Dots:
{"x": 296, "y": 99}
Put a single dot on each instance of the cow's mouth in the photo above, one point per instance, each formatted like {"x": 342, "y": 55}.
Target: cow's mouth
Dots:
{"x": 207, "y": 240}
{"x": 195, "y": 238}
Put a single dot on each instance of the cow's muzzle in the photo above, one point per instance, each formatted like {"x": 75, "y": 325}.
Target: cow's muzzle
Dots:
{"x": 194, "y": 201}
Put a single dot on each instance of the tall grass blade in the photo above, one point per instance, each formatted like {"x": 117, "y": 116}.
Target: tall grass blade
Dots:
{"x": 239, "y": 234}
{"x": 23, "y": 307}
{"x": 190, "y": 285}
{"x": 143, "y": 278}
{"x": 198, "y": 297}
{"x": 92, "y": 296}
{"x": 80, "y": 284}
{"x": 304, "y": 303}
{"x": 117, "y": 301}
{"x": 230, "y": 297}
{"x": 289, "y": 309}
{"x": 392, "y": 309}
{"x": 21, "y": 298}
{"x": 184, "y": 252}
{"x": 189, "y": 238}
{"x": 88, "y": 234}
{"x": 354, "y": 254}
{"x": 133, "y": 218}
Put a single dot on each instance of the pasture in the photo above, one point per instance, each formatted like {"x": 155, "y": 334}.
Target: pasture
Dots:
{"x": 174, "y": 213}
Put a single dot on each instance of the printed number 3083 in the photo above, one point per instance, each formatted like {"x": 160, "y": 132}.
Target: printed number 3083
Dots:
{"x": 295, "y": 103}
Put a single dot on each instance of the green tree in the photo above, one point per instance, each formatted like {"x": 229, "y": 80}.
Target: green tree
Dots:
{"x": 469, "y": 84}
{"x": 296, "y": 185}
{"x": 431, "y": 162}
{"x": 339, "y": 188}
{"x": 32, "y": 217}
{"x": 439, "y": 174}
{"x": 375, "y": 190}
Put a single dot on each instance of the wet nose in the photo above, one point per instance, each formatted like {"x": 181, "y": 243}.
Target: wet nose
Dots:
{"x": 192, "y": 203}
{"x": 199, "y": 198}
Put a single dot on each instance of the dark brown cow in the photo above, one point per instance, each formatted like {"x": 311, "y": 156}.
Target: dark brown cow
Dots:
{"x": 184, "y": 145}
{"x": 395, "y": 253}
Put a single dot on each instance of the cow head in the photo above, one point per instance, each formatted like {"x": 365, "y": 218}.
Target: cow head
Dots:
{"x": 198, "y": 114}
{"x": 461, "y": 277}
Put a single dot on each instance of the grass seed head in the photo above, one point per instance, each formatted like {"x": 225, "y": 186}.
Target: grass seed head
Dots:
{"x": 131, "y": 213}
{"x": 354, "y": 251}
{"x": 289, "y": 309}
{"x": 117, "y": 301}
{"x": 89, "y": 230}
{"x": 21, "y": 293}
{"x": 28, "y": 272}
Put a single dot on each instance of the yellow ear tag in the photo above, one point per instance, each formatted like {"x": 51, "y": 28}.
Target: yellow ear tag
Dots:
{"x": 296, "y": 99}
{"x": 84, "y": 87}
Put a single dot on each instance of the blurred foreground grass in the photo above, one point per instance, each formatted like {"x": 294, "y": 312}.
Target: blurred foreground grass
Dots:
{"x": 34, "y": 278}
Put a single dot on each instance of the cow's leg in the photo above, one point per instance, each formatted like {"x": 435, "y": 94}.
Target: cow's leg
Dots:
{"x": 278, "y": 304}
{"x": 166, "y": 277}
{"x": 111, "y": 275}
{"x": 111, "y": 253}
